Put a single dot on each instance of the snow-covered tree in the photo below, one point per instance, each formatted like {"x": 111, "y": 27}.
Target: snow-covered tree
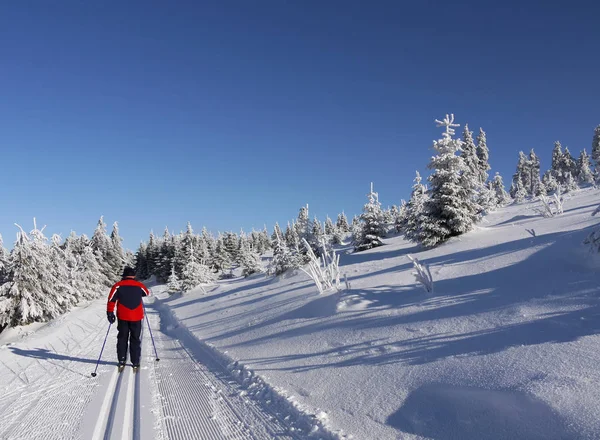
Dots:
{"x": 487, "y": 198}
{"x": 550, "y": 182}
{"x": 4, "y": 262}
{"x": 450, "y": 209}
{"x": 401, "y": 217}
{"x": 518, "y": 191}
{"x": 569, "y": 165}
{"x": 303, "y": 225}
{"x": 329, "y": 228}
{"x": 249, "y": 260}
{"x": 483, "y": 154}
{"x": 373, "y": 224}
{"x": 277, "y": 234}
{"x": 61, "y": 271}
{"x": 283, "y": 259}
{"x": 30, "y": 294}
{"x": 342, "y": 223}
{"x": 116, "y": 254}
{"x": 570, "y": 183}
{"x": 502, "y": 197}
{"x": 173, "y": 283}
{"x": 195, "y": 273}
{"x": 141, "y": 265}
{"x": 231, "y": 243}
{"x": 557, "y": 168}
{"x": 533, "y": 168}
{"x": 596, "y": 150}
{"x": 221, "y": 258}
{"x": 469, "y": 157}
{"x": 415, "y": 211}
{"x": 585, "y": 176}
{"x": 102, "y": 246}
{"x": 521, "y": 174}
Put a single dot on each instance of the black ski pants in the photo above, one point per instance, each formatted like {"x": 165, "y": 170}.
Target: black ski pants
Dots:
{"x": 129, "y": 332}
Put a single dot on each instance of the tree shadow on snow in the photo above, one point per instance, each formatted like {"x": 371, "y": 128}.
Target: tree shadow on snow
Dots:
{"x": 503, "y": 291}
{"x": 49, "y": 356}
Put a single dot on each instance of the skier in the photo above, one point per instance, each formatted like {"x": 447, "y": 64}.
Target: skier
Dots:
{"x": 127, "y": 295}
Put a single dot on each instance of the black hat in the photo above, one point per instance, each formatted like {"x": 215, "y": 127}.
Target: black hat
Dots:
{"x": 128, "y": 272}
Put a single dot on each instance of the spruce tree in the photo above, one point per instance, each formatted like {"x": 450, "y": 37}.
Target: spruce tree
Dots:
{"x": 570, "y": 183}
{"x": 414, "y": 211}
{"x": 342, "y": 223}
{"x": 373, "y": 224}
{"x": 557, "y": 164}
{"x": 596, "y": 150}
{"x": 303, "y": 225}
{"x": 195, "y": 273}
{"x": 469, "y": 156}
{"x": 4, "y": 262}
{"x": 401, "y": 217}
{"x": 502, "y": 197}
{"x": 329, "y": 228}
{"x": 152, "y": 255}
{"x": 584, "y": 170}
{"x": 141, "y": 265}
{"x": 102, "y": 247}
{"x": 483, "y": 155}
{"x": 173, "y": 283}
{"x": 31, "y": 294}
{"x": 519, "y": 190}
{"x": 450, "y": 209}
{"x": 533, "y": 168}
{"x": 116, "y": 255}
{"x": 550, "y": 182}
{"x": 568, "y": 164}
{"x": 249, "y": 260}
{"x": 221, "y": 258}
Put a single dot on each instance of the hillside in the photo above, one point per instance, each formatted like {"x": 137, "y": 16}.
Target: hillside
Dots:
{"x": 506, "y": 347}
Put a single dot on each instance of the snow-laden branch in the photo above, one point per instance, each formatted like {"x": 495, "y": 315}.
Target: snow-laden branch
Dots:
{"x": 551, "y": 206}
{"x": 324, "y": 271}
{"x": 422, "y": 274}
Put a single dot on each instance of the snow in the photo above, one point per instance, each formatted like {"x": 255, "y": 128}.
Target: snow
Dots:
{"x": 505, "y": 347}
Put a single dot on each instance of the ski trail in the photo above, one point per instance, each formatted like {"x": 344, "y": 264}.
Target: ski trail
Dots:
{"x": 136, "y": 408}
{"x": 113, "y": 413}
{"x": 105, "y": 409}
{"x": 202, "y": 402}
{"x": 129, "y": 413}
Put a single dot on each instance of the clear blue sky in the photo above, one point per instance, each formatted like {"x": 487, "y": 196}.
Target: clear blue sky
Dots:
{"x": 233, "y": 114}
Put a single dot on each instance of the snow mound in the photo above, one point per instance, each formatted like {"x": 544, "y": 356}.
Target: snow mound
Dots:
{"x": 445, "y": 411}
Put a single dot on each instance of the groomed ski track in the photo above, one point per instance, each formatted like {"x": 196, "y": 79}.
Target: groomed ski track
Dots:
{"x": 47, "y": 392}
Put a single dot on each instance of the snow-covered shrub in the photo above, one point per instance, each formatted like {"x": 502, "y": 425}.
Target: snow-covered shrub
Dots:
{"x": 324, "y": 271}
{"x": 550, "y": 206}
{"x": 173, "y": 283}
{"x": 372, "y": 227}
{"x": 422, "y": 274}
{"x": 593, "y": 240}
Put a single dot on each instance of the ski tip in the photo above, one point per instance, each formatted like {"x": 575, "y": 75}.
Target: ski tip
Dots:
{"x": 93, "y": 374}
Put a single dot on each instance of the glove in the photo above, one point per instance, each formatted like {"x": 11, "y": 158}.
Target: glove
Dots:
{"x": 111, "y": 317}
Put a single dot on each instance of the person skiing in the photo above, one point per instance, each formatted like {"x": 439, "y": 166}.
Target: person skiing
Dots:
{"x": 127, "y": 296}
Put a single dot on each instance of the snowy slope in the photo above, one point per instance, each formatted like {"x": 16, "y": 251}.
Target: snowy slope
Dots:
{"x": 506, "y": 347}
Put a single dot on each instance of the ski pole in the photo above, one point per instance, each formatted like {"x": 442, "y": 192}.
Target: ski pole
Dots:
{"x": 103, "y": 344}
{"x": 151, "y": 337}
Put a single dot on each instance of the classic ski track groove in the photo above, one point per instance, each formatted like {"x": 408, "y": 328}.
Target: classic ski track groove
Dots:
{"x": 205, "y": 405}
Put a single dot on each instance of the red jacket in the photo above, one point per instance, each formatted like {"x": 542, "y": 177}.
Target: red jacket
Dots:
{"x": 127, "y": 295}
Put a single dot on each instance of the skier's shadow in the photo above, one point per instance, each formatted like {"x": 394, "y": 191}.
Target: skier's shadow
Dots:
{"x": 47, "y": 355}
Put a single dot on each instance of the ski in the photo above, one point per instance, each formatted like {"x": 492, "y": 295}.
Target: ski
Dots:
{"x": 135, "y": 369}
{"x": 121, "y": 368}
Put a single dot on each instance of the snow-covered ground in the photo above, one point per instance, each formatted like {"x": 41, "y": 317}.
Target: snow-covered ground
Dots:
{"x": 506, "y": 347}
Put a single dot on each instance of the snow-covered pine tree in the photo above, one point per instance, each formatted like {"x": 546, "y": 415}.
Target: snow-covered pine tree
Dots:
{"x": 231, "y": 243}
{"x": 283, "y": 259}
{"x": 373, "y": 224}
{"x": 186, "y": 244}
{"x": 266, "y": 242}
{"x": 518, "y": 190}
{"x": 483, "y": 154}
{"x": 570, "y": 183}
{"x": 469, "y": 156}
{"x": 30, "y": 294}
{"x": 195, "y": 273}
{"x": 523, "y": 174}
{"x": 116, "y": 254}
{"x": 317, "y": 236}
{"x": 141, "y": 264}
{"x": 550, "y": 182}
{"x": 249, "y": 260}
{"x": 173, "y": 283}
{"x": 277, "y": 234}
{"x": 87, "y": 276}
{"x": 557, "y": 164}
{"x": 414, "y": 211}
{"x": 166, "y": 257}
{"x": 302, "y": 225}
{"x": 596, "y": 150}
{"x": 329, "y": 229}
{"x": 450, "y": 209}
{"x": 4, "y": 262}
{"x": 61, "y": 271}
{"x": 502, "y": 197}
{"x": 535, "y": 183}
{"x": 487, "y": 198}
{"x": 152, "y": 254}
{"x": 102, "y": 245}
{"x": 585, "y": 176}
{"x": 221, "y": 259}
{"x": 342, "y": 223}
{"x": 401, "y": 217}
{"x": 568, "y": 164}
